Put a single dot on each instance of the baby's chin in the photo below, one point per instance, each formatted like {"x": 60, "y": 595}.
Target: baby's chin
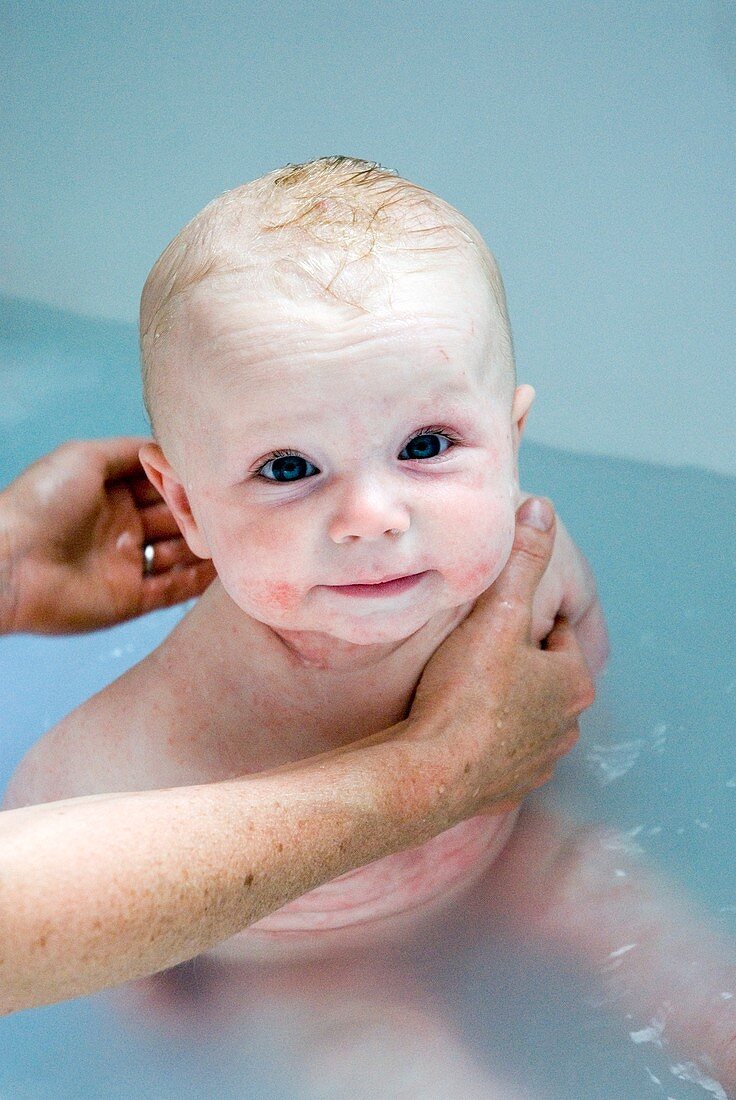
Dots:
{"x": 396, "y": 621}
{"x": 345, "y": 640}
{"x": 339, "y": 628}
{"x": 350, "y": 646}
{"x": 360, "y": 630}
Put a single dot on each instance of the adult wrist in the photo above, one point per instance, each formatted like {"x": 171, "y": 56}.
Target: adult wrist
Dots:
{"x": 394, "y": 792}
{"x": 424, "y": 790}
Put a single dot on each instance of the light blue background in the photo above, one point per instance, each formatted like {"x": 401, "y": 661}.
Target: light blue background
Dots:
{"x": 592, "y": 143}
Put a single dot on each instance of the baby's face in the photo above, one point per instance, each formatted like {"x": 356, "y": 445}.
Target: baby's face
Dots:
{"x": 312, "y": 431}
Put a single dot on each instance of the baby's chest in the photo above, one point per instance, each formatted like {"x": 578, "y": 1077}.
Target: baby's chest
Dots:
{"x": 262, "y": 729}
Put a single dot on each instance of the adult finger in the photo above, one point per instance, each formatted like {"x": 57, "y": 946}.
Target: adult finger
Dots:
{"x": 165, "y": 589}
{"x": 120, "y": 455}
{"x": 568, "y": 740}
{"x": 563, "y": 643}
{"x": 171, "y": 554}
{"x": 158, "y": 522}
{"x": 144, "y": 493}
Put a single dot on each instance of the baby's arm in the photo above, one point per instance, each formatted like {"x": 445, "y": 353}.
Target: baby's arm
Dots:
{"x": 568, "y": 590}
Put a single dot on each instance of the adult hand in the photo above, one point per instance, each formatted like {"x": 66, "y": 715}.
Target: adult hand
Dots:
{"x": 494, "y": 709}
{"x": 72, "y": 531}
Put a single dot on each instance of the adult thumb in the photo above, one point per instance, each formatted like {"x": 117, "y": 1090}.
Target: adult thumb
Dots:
{"x": 509, "y": 599}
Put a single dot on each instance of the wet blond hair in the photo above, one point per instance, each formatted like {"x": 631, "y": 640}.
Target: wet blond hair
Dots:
{"x": 304, "y": 228}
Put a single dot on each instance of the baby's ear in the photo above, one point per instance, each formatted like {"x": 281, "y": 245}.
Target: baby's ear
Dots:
{"x": 164, "y": 478}
{"x": 523, "y": 399}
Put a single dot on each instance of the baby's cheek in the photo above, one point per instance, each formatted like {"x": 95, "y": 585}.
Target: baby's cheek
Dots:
{"x": 280, "y": 596}
{"x": 486, "y": 550}
{"x": 252, "y": 564}
{"x": 266, "y": 598}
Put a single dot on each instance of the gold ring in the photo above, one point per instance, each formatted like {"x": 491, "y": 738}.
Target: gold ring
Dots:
{"x": 149, "y": 552}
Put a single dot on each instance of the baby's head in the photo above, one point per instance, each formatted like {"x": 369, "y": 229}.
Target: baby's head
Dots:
{"x": 329, "y": 372}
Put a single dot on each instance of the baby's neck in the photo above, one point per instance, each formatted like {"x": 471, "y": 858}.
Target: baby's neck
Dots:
{"x": 305, "y": 692}
{"x": 325, "y": 653}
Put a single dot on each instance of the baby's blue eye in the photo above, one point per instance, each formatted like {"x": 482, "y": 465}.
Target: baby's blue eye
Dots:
{"x": 287, "y": 467}
{"x": 424, "y": 445}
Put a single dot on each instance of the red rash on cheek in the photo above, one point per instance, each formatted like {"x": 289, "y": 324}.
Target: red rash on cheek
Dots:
{"x": 281, "y": 595}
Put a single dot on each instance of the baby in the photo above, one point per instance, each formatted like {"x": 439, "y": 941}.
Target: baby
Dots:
{"x": 329, "y": 371}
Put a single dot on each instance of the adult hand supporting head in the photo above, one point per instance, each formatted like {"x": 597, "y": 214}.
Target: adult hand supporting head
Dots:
{"x": 493, "y": 711}
{"x": 72, "y": 530}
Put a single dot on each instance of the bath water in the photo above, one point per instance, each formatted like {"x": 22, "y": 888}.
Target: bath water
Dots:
{"x": 470, "y": 1009}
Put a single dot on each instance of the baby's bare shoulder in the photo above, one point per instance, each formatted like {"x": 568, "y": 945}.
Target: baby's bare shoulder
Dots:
{"x": 169, "y": 721}
{"x": 99, "y": 746}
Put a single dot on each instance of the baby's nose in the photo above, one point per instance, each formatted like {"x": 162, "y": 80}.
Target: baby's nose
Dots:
{"x": 369, "y": 512}
{"x": 369, "y": 532}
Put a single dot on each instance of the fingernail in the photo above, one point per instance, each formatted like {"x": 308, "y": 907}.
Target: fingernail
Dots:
{"x": 536, "y": 512}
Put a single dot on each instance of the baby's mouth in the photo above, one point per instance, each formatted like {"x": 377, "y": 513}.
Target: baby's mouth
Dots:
{"x": 390, "y": 587}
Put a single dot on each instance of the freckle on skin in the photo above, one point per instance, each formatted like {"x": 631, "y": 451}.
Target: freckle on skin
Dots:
{"x": 249, "y": 880}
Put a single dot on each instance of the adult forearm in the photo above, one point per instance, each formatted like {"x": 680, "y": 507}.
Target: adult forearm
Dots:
{"x": 97, "y": 891}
